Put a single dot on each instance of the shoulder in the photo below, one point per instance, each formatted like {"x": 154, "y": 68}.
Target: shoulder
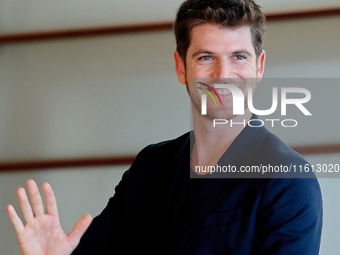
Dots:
{"x": 273, "y": 154}
{"x": 291, "y": 197}
{"x": 159, "y": 156}
{"x": 274, "y": 150}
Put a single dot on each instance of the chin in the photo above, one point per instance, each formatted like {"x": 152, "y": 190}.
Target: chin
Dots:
{"x": 223, "y": 115}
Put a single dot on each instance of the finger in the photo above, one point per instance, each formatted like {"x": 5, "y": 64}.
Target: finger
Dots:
{"x": 37, "y": 204}
{"x": 79, "y": 229}
{"x": 13, "y": 216}
{"x": 50, "y": 201}
{"x": 25, "y": 205}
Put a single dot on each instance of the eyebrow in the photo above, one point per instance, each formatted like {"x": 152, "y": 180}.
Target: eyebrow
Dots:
{"x": 199, "y": 52}
{"x": 242, "y": 51}
{"x": 236, "y": 52}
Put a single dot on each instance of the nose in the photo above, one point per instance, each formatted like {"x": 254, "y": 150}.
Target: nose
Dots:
{"x": 222, "y": 69}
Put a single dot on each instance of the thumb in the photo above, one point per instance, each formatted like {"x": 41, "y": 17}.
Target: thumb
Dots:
{"x": 78, "y": 230}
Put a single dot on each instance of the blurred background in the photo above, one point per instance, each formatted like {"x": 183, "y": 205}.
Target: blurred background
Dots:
{"x": 85, "y": 85}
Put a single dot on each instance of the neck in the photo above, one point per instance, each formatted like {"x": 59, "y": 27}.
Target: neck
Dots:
{"x": 212, "y": 142}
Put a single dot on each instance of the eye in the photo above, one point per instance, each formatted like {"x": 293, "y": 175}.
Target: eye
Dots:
{"x": 240, "y": 57}
{"x": 205, "y": 58}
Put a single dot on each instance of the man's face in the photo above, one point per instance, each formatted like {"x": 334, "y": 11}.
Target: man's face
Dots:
{"x": 220, "y": 55}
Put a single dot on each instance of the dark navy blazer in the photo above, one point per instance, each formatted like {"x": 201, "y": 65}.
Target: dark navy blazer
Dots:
{"x": 228, "y": 216}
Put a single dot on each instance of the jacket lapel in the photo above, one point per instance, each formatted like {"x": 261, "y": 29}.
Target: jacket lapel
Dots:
{"x": 218, "y": 185}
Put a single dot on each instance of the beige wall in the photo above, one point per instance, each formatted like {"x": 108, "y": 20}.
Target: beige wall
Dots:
{"x": 114, "y": 95}
{"x": 36, "y": 15}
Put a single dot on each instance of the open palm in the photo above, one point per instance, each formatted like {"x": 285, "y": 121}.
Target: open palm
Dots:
{"x": 42, "y": 233}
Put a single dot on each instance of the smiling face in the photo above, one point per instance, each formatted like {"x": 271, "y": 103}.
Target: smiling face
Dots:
{"x": 220, "y": 55}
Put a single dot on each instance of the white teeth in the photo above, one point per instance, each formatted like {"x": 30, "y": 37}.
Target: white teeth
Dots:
{"x": 223, "y": 92}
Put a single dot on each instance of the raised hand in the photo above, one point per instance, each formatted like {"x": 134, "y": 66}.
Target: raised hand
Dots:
{"x": 42, "y": 233}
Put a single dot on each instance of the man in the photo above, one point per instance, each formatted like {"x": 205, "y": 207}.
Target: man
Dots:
{"x": 157, "y": 208}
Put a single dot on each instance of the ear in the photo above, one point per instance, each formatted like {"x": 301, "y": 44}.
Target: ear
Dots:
{"x": 260, "y": 65}
{"x": 180, "y": 69}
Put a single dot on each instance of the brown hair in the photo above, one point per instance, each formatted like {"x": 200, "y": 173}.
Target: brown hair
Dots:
{"x": 227, "y": 13}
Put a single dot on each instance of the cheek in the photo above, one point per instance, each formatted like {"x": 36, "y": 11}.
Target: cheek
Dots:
{"x": 247, "y": 70}
{"x": 198, "y": 71}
